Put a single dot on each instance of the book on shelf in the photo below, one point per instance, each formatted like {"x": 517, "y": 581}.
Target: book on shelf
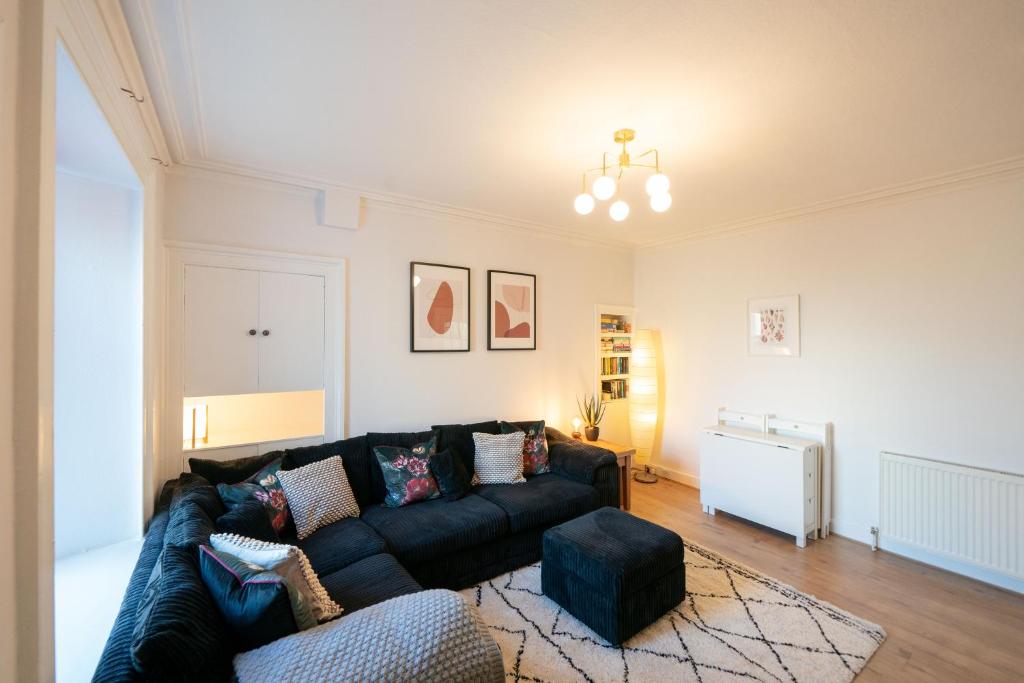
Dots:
{"x": 612, "y": 324}
{"x": 618, "y": 365}
{"x": 612, "y": 389}
{"x": 616, "y": 346}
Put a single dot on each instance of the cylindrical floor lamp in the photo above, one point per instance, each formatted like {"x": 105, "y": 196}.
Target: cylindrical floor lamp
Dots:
{"x": 644, "y": 399}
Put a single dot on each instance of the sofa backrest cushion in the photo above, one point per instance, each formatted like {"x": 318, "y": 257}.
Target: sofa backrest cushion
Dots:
{"x": 178, "y": 633}
{"x": 356, "y": 457}
{"x": 400, "y": 439}
{"x": 230, "y": 471}
{"x": 248, "y": 518}
{"x": 196, "y": 489}
{"x": 458, "y": 438}
{"x": 189, "y": 526}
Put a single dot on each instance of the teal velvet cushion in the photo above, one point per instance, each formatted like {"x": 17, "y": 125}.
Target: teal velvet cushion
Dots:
{"x": 265, "y": 487}
{"x": 258, "y": 605}
{"x": 451, "y": 475}
{"x": 406, "y": 471}
{"x": 535, "y": 446}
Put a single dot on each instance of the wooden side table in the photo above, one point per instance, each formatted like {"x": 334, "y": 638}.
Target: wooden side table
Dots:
{"x": 625, "y": 456}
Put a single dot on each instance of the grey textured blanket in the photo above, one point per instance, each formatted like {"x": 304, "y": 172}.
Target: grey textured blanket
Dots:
{"x": 434, "y": 635}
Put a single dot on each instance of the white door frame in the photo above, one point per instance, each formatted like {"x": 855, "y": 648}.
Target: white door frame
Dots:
{"x": 333, "y": 270}
{"x": 96, "y": 39}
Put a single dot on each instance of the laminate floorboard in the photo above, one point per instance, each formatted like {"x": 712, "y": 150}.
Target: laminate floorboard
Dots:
{"x": 941, "y": 626}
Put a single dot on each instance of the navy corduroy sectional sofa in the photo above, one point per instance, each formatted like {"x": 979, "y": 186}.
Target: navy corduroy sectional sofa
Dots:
{"x": 384, "y": 553}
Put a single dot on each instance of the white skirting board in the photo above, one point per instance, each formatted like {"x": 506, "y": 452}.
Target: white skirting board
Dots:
{"x": 675, "y": 475}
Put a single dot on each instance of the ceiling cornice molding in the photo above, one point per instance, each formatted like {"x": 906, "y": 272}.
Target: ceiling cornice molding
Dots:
{"x": 924, "y": 187}
{"x": 161, "y": 82}
{"x": 394, "y": 202}
{"x": 120, "y": 37}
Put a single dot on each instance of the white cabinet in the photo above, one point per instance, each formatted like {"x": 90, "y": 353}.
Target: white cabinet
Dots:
{"x": 765, "y": 478}
{"x": 249, "y": 331}
{"x": 291, "y": 338}
{"x": 222, "y": 312}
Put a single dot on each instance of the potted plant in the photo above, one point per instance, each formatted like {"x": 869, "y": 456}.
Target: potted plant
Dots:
{"x": 592, "y": 412}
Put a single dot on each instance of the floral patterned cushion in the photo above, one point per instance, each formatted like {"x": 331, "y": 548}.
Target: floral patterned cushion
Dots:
{"x": 535, "y": 446}
{"x": 407, "y": 473}
{"x": 265, "y": 487}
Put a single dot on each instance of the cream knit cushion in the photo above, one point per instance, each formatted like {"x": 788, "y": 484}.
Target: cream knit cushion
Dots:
{"x": 498, "y": 458}
{"x": 286, "y": 560}
{"x": 318, "y": 494}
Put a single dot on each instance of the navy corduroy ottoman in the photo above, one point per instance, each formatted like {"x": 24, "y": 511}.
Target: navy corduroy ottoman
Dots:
{"x": 614, "y": 572}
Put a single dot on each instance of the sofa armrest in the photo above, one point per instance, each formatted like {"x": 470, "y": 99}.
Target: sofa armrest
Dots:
{"x": 577, "y": 460}
{"x": 588, "y": 465}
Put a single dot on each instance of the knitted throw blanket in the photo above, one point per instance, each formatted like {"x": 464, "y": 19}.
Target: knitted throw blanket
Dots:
{"x": 434, "y": 635}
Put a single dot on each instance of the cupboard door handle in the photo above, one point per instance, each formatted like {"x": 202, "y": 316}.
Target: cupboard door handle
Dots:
{"x": 252, "y": 333}
{"x": 266, "y": 333}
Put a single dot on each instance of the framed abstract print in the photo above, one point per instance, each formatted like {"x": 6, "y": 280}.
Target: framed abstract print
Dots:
{"x": 438, "y": 307}
{"x": 511, "y": 311}
{"x": 773, "y": 326}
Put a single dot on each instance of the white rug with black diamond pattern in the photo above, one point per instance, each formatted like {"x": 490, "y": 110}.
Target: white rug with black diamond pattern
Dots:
{"x": 735, "y": 624}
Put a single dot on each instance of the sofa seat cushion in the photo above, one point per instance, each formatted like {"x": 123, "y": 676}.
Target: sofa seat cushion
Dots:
{"x": 428, "y": 530}
{"x": 368, "y": 581}
{"x": 338, "y": 545}
{"x": 542, "y": 501}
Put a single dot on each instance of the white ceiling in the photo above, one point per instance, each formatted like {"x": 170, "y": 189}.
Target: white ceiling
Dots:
{"x": 496, "y": 106}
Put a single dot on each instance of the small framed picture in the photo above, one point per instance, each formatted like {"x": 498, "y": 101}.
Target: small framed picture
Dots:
{"x": 511, "y": 311}
{"x": 773, "y": 326}
{"x": 438, "y": 307}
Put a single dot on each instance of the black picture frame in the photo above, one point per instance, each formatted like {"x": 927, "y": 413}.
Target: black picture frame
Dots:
{"x": 490, "y": 311}
{"x": 412, "y": 307}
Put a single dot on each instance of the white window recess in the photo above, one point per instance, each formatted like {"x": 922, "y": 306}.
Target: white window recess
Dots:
{"x": 245, "y": 323}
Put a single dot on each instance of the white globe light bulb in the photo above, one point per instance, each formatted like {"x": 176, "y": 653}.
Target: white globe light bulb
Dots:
{"x": 661, "y": 202}
{"x": 657, "y": 184}
{"x": 584, "y": 203}
{"x": 619, "y": 210}
{"x": 604, "y": 187}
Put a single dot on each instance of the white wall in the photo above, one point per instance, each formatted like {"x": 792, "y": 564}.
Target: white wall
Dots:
{"x": 912, "y": 334}
{"x": 97, "y": 421}
{"x": 390, "y": 388}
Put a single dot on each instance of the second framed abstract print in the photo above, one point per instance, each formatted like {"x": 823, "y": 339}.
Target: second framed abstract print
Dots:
{"x": 511, "y": 311}
{"x": 439, "y": 307}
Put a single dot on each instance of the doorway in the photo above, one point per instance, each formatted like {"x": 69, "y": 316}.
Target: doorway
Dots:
{"x": 98, "y": 375}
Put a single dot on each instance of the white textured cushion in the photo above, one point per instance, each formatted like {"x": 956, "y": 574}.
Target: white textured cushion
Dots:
{"x": 318, "y": 494}
{"x": 498, "y": 458}
{"x": 286, "y": 560}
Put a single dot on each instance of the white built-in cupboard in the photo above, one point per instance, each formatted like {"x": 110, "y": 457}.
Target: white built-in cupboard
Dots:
{"x": 251, "y": 322}
{"x": 250, "y": 331}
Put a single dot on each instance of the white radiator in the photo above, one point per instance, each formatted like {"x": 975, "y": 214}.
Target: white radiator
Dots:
{"x": 966, "y": 519}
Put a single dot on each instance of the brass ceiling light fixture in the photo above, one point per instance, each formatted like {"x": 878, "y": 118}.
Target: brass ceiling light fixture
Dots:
{"x": 605, "y": 186}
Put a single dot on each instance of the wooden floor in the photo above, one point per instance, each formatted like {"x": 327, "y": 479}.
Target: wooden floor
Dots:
{"x": 940, "y": 626}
